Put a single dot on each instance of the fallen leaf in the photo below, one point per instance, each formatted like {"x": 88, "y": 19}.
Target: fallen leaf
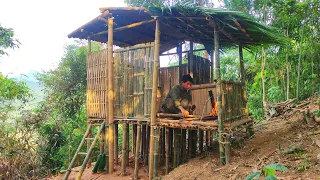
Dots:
{"x": 318, "y": 142}
{"x": 318, "y": 156}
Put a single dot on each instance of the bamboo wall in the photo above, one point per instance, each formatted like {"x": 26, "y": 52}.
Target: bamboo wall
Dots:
{"x": 133, "y": 85}
{"x": 96, "y": 85}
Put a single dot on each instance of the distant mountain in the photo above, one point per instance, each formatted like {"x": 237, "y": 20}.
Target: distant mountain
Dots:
{"x": 32, "y": 82}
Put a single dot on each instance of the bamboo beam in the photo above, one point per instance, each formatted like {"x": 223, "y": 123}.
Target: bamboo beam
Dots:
{"x": 196, "y": 50}
{"x": 211, "y": 23}
{"x": 184, "y": 122}
{"x": 110, "y": 95}
{"x": 154, "y": 100}
{"x": 219, "y": 95}
{"x": 202, "y": 86}
{"x": 136, "y": 156}
{"x": 132, "y": 48}
{"x": 126, "y": 27}
{"x": 239, "y": 26}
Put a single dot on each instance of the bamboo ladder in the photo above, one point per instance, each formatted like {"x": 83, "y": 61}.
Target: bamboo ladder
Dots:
{"x": 87, "y": 154}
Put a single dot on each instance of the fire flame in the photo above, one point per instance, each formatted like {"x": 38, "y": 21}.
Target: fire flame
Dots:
{"x": 214, "y": 111}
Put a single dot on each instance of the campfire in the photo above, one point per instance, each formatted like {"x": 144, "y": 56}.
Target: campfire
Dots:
{"x": 214, "y": 111}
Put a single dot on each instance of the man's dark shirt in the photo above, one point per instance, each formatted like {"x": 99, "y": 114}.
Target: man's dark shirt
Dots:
{"x": 177, "y": 96}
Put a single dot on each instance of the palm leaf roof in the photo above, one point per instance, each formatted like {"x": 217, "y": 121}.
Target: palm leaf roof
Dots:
{"x": 179, "y": 23}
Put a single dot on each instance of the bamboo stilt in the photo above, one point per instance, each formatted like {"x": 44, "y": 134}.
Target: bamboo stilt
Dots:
{"x": 134, "y": 137}
{"x": 136, "y": 155}
{"x": 171, "y": 144}
{"x": 110, "y": 95}
{"x": 156, "y": 152}
{"x": 183, "y": 145}
{"x": 146, "y": 159}
{"x": 175, "y": 149}
{"x": 189, "y": 143}
{"x": 219, "y": 93}
{"x": 127, "y": 145}
{"x": 163, "y": 142}
{"x": 106, "y": 148}
{"x": 201, "y": 141}
{"x": 124, "y": 150}
{"x": 167, "y": 150}
{"x": 154, "y": 101}
{"x": 116, "y": 143}
{"x": 194, "y": 143}
{"x": 227, "y": 149}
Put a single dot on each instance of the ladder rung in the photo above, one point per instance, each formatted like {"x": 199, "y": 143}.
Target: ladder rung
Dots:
{"x": 82, "y": 153}
{"x": 89, "y": 139}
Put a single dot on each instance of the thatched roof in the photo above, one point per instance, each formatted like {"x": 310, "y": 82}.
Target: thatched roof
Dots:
{"x": 177, "y": 24}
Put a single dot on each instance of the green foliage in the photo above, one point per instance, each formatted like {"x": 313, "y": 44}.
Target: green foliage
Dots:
{"x": 7, "y": 40}
{"x": 253, "y": 175}
{"x": 269, "y": 172}
{"x": 303, "y": 165}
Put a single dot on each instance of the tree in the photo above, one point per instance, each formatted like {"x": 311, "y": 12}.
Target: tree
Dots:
{"x": 7, "y": 40}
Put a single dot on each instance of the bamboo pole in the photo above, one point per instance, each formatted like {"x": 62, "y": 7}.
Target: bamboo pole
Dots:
{"x": 134, "y": 137}
{"x": 183, "y": 145}
{"x": 227, "y": 149}
{"x": 156, "y": 152}
{"x": 106, "y": 148}
{"x": 110, "y": 95}
{"x": 242, "y": 73}
{"x": 163, "y": 143}
{"x": 90, "y": 131}
{"x": 124, "y": 150}
{"x": 127, "y": 145}
{"x": 126, "y": 27}
{"x": 175, "y": 148}
{"x": 194, "y": 143}
{"x": 136, "y": 155}
{"x": 201, "y": 141}
{"x": 116, "y": 143}
{"x": 189, "y": 143}
{"x": 154, "y": 99}
{"x": 167, "y": 150}
{"x": 219, "y": 95}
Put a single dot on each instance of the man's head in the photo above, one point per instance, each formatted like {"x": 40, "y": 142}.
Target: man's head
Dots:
{"x": 186, "y": 81}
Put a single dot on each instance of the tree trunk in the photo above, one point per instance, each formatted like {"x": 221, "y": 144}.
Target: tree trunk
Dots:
{"x": 263, "y": 64}
{"x": 299, "y": 66}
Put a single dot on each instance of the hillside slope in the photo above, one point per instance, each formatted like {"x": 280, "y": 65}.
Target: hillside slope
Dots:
{"x": 285, "y": 140}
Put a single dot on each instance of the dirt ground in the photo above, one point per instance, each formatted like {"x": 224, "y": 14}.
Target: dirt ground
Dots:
{"x": 280, "y": 140}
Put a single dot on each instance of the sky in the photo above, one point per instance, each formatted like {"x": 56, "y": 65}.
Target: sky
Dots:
{"x": 42, "y": 27}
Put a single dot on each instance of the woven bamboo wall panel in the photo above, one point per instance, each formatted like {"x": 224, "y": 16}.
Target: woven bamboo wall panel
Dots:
{"x": 96, "y": 85}
{"x": 233, "y": 101}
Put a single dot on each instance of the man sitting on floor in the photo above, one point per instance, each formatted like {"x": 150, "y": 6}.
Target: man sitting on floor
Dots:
{"x": 179, "y": 98}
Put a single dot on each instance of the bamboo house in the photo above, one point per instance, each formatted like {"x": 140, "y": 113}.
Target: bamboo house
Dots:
{"x": 126, "y": 86}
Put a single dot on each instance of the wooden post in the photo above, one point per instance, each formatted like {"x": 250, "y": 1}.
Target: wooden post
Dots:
{"x": 167, "y": 150}
{"x": 154, "y": 99}
{"x": 110, "y": 95}
{"x": 136, "y": 155}
{"x": 124, "y": 150}
{"x": 116, "y": 143}
{"x": 219, "y": 95}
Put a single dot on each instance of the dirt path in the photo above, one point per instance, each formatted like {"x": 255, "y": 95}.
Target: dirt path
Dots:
{"x": 269, "y": 145}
